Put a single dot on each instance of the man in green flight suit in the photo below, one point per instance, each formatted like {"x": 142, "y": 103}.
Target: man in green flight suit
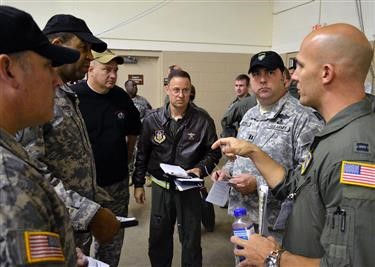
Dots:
{"x": 332, "y": 193}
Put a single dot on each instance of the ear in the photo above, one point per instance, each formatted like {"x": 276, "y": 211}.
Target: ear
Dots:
{"x": 57, "y": 41}
{"x": 166, "y": 88}
{"x": 328, "y": 73}
{"x": 7, "y": 72}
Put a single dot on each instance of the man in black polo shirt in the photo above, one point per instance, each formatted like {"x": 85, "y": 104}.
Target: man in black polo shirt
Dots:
{"x": 112, "y": 123}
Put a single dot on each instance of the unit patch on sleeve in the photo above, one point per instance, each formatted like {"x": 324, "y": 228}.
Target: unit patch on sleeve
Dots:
{"x": 43, "y": 247}
{"x": 358, "y": 173}
{"x": 306, "y": 163}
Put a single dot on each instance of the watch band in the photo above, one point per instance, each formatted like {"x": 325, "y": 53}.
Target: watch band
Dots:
{"x": 273, "y": 260}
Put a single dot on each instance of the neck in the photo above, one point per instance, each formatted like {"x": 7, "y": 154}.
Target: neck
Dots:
{"x": 177, "y": 113}
{"x": 97, "y": 89}
{"x": 242, "y": 97}
{"x": 334, "y": 103}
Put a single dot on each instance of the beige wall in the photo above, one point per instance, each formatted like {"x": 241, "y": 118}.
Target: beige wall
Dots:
{"x": 173, "y": 25}
{"x": 212, "y": 74}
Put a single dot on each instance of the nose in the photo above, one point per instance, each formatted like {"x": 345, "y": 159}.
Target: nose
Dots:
{"x": 180, "y": 93}
{"x": 294, "y": 75}
{"x": 113, "y": 74}
{"x": 56, "y": 80}
{"x": 263, "y": 78}
{"x": 89, "y": 55}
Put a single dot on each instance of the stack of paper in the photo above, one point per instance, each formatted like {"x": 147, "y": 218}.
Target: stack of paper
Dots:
{"x": 183, "y": 180}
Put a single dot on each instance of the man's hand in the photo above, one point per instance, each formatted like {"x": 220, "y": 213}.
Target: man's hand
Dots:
{"x": 244, "y": 183}
{"x": 81, "y": 258}
{"x": 220, "y": 175}
{"x": 139, "y": 195}
{"x": 254, "y": 250}
{"x": 104, "y": 225}
{"x": 232, "y": 146}
{"x": 196, "y": 171}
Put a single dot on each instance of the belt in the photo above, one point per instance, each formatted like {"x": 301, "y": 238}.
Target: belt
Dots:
{"x": 160, "y": 183}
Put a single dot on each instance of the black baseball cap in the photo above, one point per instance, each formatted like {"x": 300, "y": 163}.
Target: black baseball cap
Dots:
{"x": 266, "y": 59}
{"x": 19, "y": 32}
{"x": 69, "y": 23}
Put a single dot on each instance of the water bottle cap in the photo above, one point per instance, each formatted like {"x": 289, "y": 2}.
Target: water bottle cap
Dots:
{"x": 238, "y": 212}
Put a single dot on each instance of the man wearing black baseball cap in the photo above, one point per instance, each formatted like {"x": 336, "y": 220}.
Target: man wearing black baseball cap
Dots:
{"x": 266, "y": 59}
{"x": 73, "y": 32}
{"x": 30, "y": 209}
{"x": 281, "y": 126}
{"x": 63, "y": 144}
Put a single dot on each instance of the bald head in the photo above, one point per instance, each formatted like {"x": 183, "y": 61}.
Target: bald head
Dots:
{"x": 332, "y": 66}
{"x": 344, "y": 46}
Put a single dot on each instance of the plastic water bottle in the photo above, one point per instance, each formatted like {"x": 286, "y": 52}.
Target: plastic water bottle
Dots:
{"x": 242, "y": 227}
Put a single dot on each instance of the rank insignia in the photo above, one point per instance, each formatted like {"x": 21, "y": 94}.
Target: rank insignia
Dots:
{"x": 159, "y": 136}
{"x": 361, "y": 148}
{"x": 191, "y": 136}
{"x": 306, "y": 163}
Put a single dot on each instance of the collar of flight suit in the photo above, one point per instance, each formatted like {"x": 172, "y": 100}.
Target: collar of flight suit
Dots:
{"x": 345, "y": 116}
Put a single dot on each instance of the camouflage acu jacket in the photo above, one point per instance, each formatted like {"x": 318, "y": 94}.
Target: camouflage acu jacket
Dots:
{"x": 142, "y": 105}
{"x": 64, "y": 146}
{"x": 30, "y": 210}
{"x": 284, "y": 133}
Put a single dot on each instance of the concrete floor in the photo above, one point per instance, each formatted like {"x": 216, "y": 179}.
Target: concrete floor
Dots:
{"x": 216, "y": 248}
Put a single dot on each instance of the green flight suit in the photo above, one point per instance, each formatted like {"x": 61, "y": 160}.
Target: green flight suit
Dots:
{"x": 332, "y": 220}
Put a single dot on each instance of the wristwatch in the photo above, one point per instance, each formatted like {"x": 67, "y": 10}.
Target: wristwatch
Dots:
{"x": 273, "y": 260}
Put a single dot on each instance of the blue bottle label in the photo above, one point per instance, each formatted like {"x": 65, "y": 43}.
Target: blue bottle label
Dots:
{"x": 241, "y": 233}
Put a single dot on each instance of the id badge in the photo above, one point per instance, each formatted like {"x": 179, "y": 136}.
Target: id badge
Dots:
{"x": 286, "y": 209}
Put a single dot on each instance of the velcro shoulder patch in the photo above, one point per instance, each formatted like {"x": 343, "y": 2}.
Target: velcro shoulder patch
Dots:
{"x": 358, "y": 173}
{"x": 43, "y": 247}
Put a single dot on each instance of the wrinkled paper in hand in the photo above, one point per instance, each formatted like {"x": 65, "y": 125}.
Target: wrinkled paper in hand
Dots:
{"x": 263, "y": 195}
{"x": 219, "y": 193}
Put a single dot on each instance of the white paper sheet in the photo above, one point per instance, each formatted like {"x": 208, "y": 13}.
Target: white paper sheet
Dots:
{"x": 174, "y": 170}
{"x": 263, "y": 195}
{"x": 219, "y": 193}
{"x": 96, "y": 263}
{"x": 182, "y": 186}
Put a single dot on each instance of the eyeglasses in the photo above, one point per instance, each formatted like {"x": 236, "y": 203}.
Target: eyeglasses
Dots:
{"x": 184, "y": 91}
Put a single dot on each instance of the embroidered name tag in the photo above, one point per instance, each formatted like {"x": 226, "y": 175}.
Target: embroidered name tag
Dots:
{"x": 278, "y": 127}
{"x": 358, "y": 173}
{"x": 43, "y": 247}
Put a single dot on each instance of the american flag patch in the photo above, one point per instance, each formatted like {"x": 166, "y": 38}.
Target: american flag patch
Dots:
{"x": 358, "y": 173}
{"x": 43, "y": 247}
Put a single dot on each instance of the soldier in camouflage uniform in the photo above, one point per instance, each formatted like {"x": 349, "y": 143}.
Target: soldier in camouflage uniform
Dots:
{"x": 63, "y": 144}
{"x": 143, "y": 106}
{"x": 279, "y": 125}
{"x": 140, "y": 102}
{"x": 30, "y": 209}
{"x": 331, "y": 196}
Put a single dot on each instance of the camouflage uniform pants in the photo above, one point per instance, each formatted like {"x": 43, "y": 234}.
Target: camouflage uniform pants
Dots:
{"x": 110, "y": 253}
